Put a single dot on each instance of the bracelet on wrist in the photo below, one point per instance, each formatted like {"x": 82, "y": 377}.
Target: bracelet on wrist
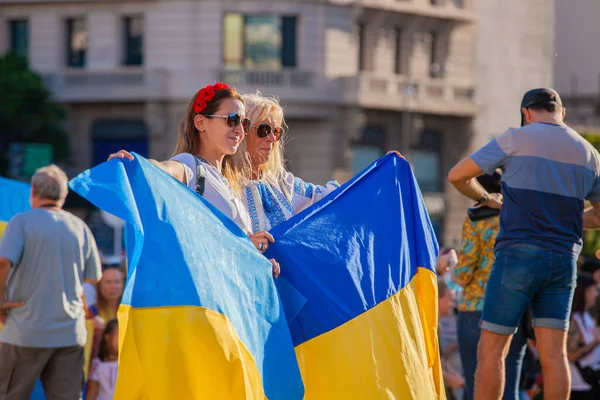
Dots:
{"x": 484, "y": 198}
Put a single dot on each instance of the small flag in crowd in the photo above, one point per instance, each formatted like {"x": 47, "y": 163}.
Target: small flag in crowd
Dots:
{"x": 14, "y": 199}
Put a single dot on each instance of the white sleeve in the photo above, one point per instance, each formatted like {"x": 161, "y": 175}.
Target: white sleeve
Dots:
{"x": 95, "y": 374}
{"x": 189, "y": 165}
{"x": 306, "y": 194}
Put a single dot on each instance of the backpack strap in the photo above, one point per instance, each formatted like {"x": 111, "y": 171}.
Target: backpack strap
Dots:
{"x": 200, "y": 176}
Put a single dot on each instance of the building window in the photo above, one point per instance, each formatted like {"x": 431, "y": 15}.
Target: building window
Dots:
{"x": 133, "y": 49}
{"x": 426, "y": 163}
{"x": 361, "y": 46}
{"x": 368, "y": 148}
{"x": 288, "y": 38}
{"x": 76, "y": 42}
{"x": 259, "y": 41}
{"x": 19, "y": 36}
{"x": 435, "y": 66}
{"x": 233, "y": 41}
{"x": 426, "y": 167}
{"x": 398, "y": 51}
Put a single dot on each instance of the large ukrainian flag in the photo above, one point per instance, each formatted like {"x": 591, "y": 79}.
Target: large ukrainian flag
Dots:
{"x": 200, "y": 318}
{"x": 364, "y": 259}
{"x": 14, "y": 198}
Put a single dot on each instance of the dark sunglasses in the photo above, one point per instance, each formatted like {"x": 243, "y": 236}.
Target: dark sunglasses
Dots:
{"x": 264, "y": 130}
{"x": 234, "y": 120}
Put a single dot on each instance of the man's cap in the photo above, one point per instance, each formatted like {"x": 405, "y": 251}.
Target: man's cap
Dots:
{"x": 539, "y": 96}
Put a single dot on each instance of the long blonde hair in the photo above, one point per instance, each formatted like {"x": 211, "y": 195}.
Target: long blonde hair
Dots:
{"x": 188, "y": 137}
{"x": 259, "y": 108}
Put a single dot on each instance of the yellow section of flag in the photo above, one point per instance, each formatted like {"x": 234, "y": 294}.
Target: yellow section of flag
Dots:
{"x": 183, "y": 352}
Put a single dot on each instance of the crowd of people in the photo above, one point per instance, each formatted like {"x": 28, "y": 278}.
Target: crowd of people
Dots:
{"x": 505, "y": 297}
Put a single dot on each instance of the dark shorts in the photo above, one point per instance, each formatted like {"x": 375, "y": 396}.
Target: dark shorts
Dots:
{"x": 60, "y": 370}
{"x": 525, "y": 275}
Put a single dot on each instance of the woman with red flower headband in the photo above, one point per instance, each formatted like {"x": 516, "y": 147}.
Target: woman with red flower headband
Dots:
{"x": 211, "y": 131}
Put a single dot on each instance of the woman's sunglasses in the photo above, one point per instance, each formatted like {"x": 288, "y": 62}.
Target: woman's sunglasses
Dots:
{"x": 234, "y": 120}
{"x": 264, "y": 130}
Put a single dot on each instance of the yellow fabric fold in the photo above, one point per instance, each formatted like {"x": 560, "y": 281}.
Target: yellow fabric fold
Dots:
{"x": 388, "y": 352}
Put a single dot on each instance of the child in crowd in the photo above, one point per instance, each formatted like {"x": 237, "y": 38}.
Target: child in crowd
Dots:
{"x": 103, "y": 374}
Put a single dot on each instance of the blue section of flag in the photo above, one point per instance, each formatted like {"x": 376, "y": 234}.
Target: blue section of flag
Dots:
{"x": 355, "y": 248}
{"x": 38, "y": 392}
{"x": 14, "y": 198}
{"x": 183, "y": 257}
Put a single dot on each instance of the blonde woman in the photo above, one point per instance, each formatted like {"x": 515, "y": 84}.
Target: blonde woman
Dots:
{"x": 271, "y": 193}
{"x": 212, "y": 129}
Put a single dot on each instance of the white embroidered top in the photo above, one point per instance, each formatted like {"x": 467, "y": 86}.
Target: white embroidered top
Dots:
{"x": 270, "y": 202}
{"x": 216, "y": 190}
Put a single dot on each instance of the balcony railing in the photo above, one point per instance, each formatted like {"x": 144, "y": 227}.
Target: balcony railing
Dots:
{"x": 288, "y": 84}
{"x": 459, "y": 10}
{"x": 436, "y": 96}
{"x": 114, "y": 85}
{"x": 291, "y": 78}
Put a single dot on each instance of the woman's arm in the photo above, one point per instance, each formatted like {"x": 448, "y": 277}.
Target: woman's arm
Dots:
{"x": 173, "y": 168}
{"x": 575, "y": 351}
{"x": 91, "y": 392}
{"x": 304, "y": 194}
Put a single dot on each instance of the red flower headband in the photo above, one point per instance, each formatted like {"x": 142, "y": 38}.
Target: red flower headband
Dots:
{"x": 206, "y": 94}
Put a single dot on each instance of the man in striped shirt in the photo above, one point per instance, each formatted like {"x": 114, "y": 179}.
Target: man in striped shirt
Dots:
{"x": 548, "y": 172}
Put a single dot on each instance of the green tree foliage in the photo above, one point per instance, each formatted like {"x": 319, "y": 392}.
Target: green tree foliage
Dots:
{"x": 591, "y": 239}
{"x": 28, "y": 113}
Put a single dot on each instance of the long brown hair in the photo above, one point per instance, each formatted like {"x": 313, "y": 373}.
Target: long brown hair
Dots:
{"x": 188, "y": 137}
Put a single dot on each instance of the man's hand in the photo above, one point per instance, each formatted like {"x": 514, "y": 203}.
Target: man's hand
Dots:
{"x": 6, "y": 306}
{"x": 494, "y": 201}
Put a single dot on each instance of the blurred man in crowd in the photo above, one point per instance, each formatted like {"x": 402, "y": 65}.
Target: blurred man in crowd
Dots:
{"x": 45, "y": 256}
